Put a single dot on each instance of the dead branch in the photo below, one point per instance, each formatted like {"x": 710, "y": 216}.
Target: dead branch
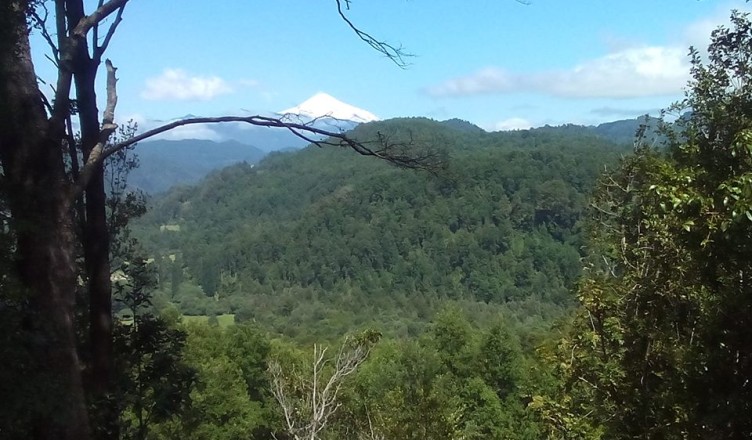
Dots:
{"x": 397, "y": 153}
{"x": 99, "y": 49}
{"x": 306, "y": 404}
{"x": 394, "y": 53}
{"x": 40, "y": 22}
{"x": 61, "y": 102}
{"x": 103, "y": 11}
{"x": 96, "y": 156}
{"x": 372, "y": 434}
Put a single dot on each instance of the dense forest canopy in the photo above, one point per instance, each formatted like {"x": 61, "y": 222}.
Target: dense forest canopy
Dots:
{"x": 323, "y": 234}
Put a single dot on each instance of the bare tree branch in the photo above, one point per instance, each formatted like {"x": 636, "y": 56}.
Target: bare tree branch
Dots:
{"x": 68, "y": 41}
{"x": 40, "y": 22}
{"x": 395, "y": 54}
{"x": 99, "y": 49}
{"x": 95, "y": 30}
{"x": 306, "y": 405}
{"x": 102, "y": 12}
{"x": 96, "y": 156}
{"x": 61, "y": 102}
{"x": 397, "y": 153}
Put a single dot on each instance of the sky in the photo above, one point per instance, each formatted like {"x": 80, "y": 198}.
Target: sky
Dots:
{"x": 501, "y": 64}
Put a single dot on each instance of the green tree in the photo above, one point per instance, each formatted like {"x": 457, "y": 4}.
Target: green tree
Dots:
{"x": 154, "y": 380}
{"x": 662, "y": 345}
{"x": 443, "y": 387}
{"x": 500, "y": 361}
{"x": 405, "y": 393}
{"x": 228, "y": 401}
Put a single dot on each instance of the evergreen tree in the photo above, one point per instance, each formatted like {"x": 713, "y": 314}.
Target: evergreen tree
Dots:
{"x": 662, "y": 345}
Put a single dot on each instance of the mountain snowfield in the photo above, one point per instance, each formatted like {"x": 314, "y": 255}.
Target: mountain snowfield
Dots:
{"x": 320, "y": 108}
{"x": 322, "y": 105}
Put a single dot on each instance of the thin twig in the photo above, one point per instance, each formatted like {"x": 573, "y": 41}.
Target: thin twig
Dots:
{"x": 395, "y": 54}
{"x": 100, "y": 49}
{"x": 41, "y": 24}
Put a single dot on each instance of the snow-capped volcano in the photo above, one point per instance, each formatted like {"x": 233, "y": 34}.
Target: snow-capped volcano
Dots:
{"x": 322, "y": 105}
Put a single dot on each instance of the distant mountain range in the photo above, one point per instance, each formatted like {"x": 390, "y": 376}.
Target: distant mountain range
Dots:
{"x": 321, "y": 110}
{"x": 184, "y": 159}
{"x": 624, "y": 131}
{"x": 165, "y": 163}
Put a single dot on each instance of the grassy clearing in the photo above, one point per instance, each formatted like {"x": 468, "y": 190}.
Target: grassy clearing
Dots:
{"x": 225, "y": 320}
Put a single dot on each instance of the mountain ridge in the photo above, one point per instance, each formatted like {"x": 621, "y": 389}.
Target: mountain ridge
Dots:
{"x": 165, "y": 163}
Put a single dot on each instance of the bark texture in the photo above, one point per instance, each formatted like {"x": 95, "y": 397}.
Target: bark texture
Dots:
{"x": 38, "y": 197}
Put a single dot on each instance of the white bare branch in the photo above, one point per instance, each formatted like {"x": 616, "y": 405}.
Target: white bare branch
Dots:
{"x": 96, "y": 156}
{"x": 306, "y": 405}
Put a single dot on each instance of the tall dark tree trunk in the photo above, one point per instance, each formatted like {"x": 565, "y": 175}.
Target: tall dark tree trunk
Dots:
{"x": 96, "y": 244}
{"x": 39, "y": 200}
{"x": 97, "y": 257}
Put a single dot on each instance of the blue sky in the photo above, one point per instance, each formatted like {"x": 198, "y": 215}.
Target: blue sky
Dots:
{"x": 497, "y": 63}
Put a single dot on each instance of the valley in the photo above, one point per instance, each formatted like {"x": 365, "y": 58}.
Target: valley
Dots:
{"x": 319, "y": 242}
{"x": 481, "y": 270}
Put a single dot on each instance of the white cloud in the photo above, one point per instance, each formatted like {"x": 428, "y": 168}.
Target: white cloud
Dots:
{"x": 697, "y": 34}
{"x": 488, "y": 80}
{"x": 628, "y": 73}
{"x": 513, "y": 124}
{"x": 648, "y": 71}
{"x": 176, "y": 84}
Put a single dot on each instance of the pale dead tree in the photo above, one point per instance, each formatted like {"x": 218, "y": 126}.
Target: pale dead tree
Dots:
{"x": 53, "y": 182}
{"x": 308, "y": 401}
{"x": 372, "y": 433}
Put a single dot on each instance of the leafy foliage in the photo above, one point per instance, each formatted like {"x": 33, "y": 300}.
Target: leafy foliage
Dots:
{"x": 661, "y": 346}
{"x": 446, "y": 385}
{"x": 154, "y": 380}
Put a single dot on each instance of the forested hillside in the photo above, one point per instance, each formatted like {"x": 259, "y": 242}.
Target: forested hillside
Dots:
{"x": 332, "y": 238}
{"x": 164, "y": 164}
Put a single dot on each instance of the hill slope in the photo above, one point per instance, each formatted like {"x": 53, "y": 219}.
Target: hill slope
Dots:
{"x": 164, "y": 164}
{"x": 330, "y": 237}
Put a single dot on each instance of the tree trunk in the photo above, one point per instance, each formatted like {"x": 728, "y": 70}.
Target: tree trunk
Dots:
{"x": 96, "y": 241}
{"x": 38, "y": 197}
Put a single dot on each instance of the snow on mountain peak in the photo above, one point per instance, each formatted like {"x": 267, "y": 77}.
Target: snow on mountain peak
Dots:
{"x": 322, "y": 105}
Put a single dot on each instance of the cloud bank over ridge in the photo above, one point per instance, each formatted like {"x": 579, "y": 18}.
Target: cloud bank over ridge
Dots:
{"x": 628, "y": 73}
